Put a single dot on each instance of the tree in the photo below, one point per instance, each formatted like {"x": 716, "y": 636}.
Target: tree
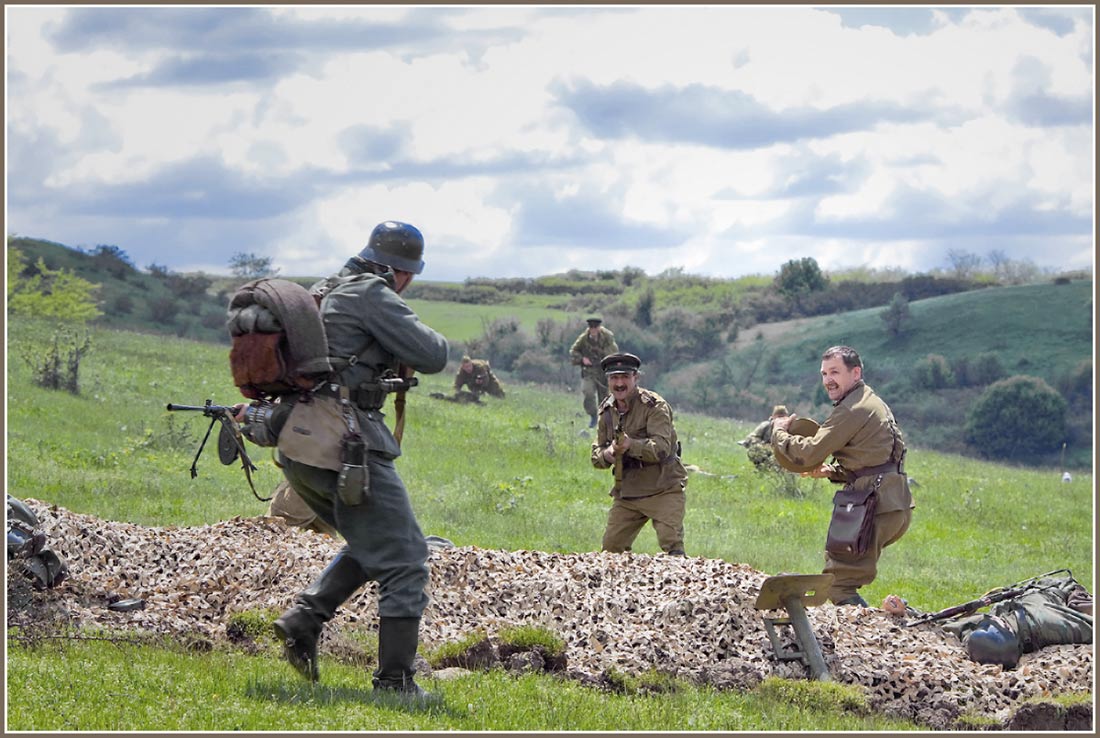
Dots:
{"x": 964, "y": 265}
{"x": 896, "y": 314}
{"x": 251, "y": 266}
{"x": 1018, "y": 417}
{"x": 800, "y": 277}
{"x": 643, "y": 313}
{"x": 53, "y": 293}
{"x": 112, "y": 260}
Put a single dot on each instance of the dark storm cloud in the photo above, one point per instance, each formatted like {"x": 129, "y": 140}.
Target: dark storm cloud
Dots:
{"x": 714, "y": 117}
{"x": 584, "y": 220}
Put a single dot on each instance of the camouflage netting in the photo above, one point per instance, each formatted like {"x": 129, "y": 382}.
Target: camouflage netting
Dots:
{"x": 692, "y": 618}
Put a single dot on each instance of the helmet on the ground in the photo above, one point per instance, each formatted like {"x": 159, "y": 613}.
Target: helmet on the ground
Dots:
{"x": 396, "y": 245}
{"x": 993, "y": 643}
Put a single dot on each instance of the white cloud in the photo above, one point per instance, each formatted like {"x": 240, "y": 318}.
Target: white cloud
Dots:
{"x": 459, "y": 126}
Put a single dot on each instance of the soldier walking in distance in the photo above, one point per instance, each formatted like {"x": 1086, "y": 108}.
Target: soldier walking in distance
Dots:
{"x": 636, "y": 438}
{"x": 868, "y": 457}
{"x": 365, "y": 317}
{"x": 587, "y": 351}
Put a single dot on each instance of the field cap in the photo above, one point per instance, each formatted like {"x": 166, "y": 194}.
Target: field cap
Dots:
{"x": 620, "y": 364}
{"x": 779, "y": 411}
{"x": 593, "y": 320}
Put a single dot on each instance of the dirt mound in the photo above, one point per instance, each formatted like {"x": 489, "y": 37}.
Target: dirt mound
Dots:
{"x": 689, "y": 617}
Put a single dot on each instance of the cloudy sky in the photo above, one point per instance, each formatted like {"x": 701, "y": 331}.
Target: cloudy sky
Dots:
{"x": 529, "y": 140}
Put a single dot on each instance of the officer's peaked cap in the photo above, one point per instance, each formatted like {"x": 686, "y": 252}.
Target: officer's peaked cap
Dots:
{"x": 620, "y": 364}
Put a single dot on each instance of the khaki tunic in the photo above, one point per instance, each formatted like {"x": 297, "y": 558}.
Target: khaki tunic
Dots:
{"x": 479, "y": 379}
{"x": 593, "y": 380}
{"x": 860, "y": 433}
{"x": 654, "y": 478}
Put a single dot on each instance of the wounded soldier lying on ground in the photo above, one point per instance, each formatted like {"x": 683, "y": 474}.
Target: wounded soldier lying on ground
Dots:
{"x": 1048, "y": 611}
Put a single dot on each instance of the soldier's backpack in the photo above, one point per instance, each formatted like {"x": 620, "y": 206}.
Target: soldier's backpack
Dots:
{"x": 27, "y": 548}
{"x": 278, "y": 339}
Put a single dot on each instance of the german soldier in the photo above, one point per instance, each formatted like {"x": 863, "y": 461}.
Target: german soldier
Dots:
{"x": 365, "y": 317}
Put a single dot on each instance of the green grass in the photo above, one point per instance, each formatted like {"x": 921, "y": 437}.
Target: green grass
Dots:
{"x": 91, "y": 686}
{"x": 466, "y": 322}
{"x": 1042, "y": 329}
{"x": 510, "y": 474}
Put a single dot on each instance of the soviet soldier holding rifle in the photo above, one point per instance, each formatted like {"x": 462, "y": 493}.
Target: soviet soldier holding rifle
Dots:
{"x": 874, "y": 508}
{"x": 636, "y": 438}
{"x": 365, "y": 318}
{"x": 587, "y": 351}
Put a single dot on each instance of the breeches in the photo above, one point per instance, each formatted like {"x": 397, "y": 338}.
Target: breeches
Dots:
{"x": 382, "y": 533}
{"x": 627, "y": 517}
{"x": 594, "y": 391}
{"x": 852, "y": 572}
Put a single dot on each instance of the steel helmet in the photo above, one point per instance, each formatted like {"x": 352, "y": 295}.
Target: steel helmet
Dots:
{"x": 396, "y": 245}
{"x": 993, "y": 643}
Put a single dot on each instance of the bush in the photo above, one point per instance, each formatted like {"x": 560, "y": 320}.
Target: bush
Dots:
{"x": 163, "y": 310}
{"x": 1076, "y": 386}
{"x": 1020, "y": 416}
{"x": 933, "y": 372}
{"x": 58, "y": 366}
{"x": 985, "y": 369}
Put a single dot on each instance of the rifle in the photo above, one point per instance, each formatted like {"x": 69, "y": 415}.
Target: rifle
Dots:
{"x": 230, "y": 440}
{"x": 993, "y": 596}
{"x": 619, "y": 451}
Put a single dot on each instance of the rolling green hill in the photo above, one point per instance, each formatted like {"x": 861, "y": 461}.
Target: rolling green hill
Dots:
{"x": 1043, "y": 330}
{"x": 701, "y": 361}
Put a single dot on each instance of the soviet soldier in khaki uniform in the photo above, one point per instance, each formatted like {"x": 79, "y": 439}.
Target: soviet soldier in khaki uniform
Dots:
{"x": 587, "y": 352}
{"x": 762, "y": 433}
{"x": 636, "y": 428}
{"x": 868, "y": 453}
{"x": 478, "y": 376}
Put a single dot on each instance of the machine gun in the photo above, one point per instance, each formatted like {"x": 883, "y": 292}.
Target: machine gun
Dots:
{"x": 993, "y": 596}
{"x": 230, "y": 440}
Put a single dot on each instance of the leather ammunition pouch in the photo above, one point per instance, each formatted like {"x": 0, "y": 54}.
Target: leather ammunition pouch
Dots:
{"x": 853, "y": 522}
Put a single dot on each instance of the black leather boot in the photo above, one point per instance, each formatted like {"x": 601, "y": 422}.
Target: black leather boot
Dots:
{"x": 855, "y": 599}
{"x": 299, "y": 628}
{"x": 397, "y": 642}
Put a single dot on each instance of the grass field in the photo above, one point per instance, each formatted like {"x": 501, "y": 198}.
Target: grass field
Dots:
{"x": 511, "y": 474}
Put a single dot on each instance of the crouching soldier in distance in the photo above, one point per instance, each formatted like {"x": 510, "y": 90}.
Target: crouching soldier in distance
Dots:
{"x": 478, "y": 376}
{"x": 636, "y": 438}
